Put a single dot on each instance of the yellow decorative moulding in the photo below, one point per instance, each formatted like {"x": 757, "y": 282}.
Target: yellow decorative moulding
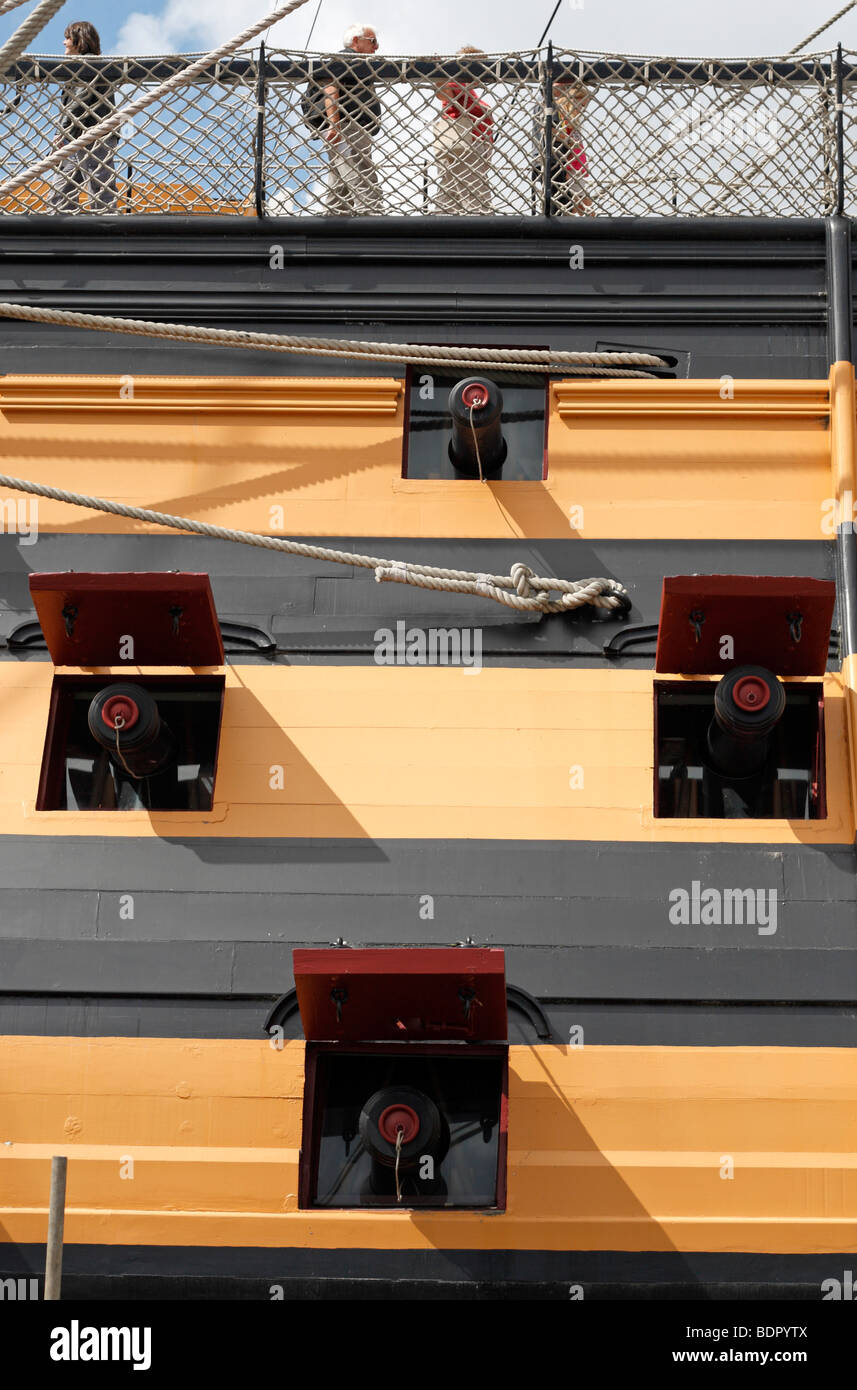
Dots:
{"x": 211, "y": 395}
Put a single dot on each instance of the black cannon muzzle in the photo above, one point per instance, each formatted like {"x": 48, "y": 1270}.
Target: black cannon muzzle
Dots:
{"x": 125, "y": 720}
{"x": 748, "y": 704}
{"x": 476, "y": 407}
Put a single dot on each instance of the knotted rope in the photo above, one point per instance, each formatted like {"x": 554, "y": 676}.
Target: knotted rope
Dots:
{"x": 521, "y": 589}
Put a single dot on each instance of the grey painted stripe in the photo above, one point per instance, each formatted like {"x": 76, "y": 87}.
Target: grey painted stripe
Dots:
{"x": 628, "y": 1024}
{"x": 749, "y": 973}
{"x": 579, "y": 920}
{"x": 243, "y": 916}
{"x": 312, "y": 607}
{"x": 370, "y": 870}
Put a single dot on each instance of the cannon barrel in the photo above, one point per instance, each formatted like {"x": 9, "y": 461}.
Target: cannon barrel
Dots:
{"x": 476, "y": 407}
{"x": 748, "y": 704}
{"x": 125, "y": 720}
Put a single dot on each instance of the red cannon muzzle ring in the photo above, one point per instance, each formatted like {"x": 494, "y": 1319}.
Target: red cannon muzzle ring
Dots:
{"x": 122, "y": 708}
{"x": 751, "y": 693}
{"x": 398, "y": 1117}
{"x": 474, "y": 396}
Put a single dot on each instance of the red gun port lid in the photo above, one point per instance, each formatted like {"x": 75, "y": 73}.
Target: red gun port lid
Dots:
{"x": 780, "y": 623}
{"x": 402, "y": 994}
{"x": 87, "y": 619}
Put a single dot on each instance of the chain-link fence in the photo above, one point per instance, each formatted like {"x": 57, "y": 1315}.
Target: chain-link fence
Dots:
{"x": 526, "y": 134}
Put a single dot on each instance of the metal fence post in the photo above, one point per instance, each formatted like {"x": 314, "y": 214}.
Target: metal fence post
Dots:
{"x": 840, "y": 135}
{"x": 547, "y": 205}
{"x": 259, "y": 141}
{"x": 56, "y": 1222}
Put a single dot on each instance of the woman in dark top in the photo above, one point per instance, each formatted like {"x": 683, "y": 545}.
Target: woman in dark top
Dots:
{"x": 86, "y": 99}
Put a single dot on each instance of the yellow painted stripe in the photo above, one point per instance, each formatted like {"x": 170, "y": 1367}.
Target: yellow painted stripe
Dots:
{"x": 417, "y": 752}
{"x": 323, "y": 457}
{"x": 610, "y": 1148}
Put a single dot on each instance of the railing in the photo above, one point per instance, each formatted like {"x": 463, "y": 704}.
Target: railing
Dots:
{"x": 526, "y": 134}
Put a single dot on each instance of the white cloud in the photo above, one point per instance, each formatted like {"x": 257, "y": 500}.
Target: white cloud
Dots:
{"x": 625, "y": 26}
{"x": 186, "y": 26}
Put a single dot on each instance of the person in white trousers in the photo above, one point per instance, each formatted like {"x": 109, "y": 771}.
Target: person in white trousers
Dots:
{"x": 353, "y": 112}
{"x": 463, "y": 144}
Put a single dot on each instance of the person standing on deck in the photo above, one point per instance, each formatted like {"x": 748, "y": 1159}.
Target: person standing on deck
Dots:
{"x": 86, "y": 99}
{"x": 463, "y": 139}
{"x": 353, "y": 111}
{"x": 569, "y": 167}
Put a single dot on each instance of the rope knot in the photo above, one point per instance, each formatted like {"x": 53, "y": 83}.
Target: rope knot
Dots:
{"x": 571, "y": 600}
{"x": 395, "y": 572}
{"x": 520, "y": 576}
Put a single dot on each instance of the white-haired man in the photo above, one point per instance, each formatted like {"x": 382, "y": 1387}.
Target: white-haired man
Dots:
{"x": 353, "y": 111}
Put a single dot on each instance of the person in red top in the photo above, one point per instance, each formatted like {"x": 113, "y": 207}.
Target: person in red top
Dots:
{"x": 463, "y": 140}
{"x": 569, "y": 169}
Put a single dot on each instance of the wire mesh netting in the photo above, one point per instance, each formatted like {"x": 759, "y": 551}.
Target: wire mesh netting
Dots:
{"x": 191, "y": 152}
{"x": 525, "y": 134}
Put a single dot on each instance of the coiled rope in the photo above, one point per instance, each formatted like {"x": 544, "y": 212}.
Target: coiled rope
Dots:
{"x": 486, "y": 359}
{"x": 520, "y": 589}
{"x": 179, "y": 79}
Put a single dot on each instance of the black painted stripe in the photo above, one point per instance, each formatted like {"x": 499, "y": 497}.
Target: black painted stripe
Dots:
{"x": 121, "y": 1271}
{"x": 759, "y": 310}
{"x": 317, "y": 610}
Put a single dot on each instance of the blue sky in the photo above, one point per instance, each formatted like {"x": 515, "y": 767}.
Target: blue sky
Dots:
{"x": 729, "y": 27}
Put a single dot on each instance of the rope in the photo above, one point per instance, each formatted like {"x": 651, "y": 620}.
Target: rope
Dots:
{"x": 815, "y": 33}
{"x": 476, "y": 446}
{"x": 8, "y": 5}
{"x": 32, "y": 25}
{"x": 520, "y": 589}
{"x": 497, "y": 359}
{"x": 400, "y": 1134}
{"x": 179, "y": 79}
{"x": 312, "y": 27}
{"x": 119, "y": 723}
{"x": 547, "y": 27}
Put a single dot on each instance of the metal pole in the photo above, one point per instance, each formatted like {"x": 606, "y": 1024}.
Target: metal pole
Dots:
{"x": 547, "y": 206}
{"x": 840, "y": 349}
{"x": 56, "y": 1222}
{"x": 259, "y": 142}
{"x": 839, "y": 321}
{"x": 840, "y": 136}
